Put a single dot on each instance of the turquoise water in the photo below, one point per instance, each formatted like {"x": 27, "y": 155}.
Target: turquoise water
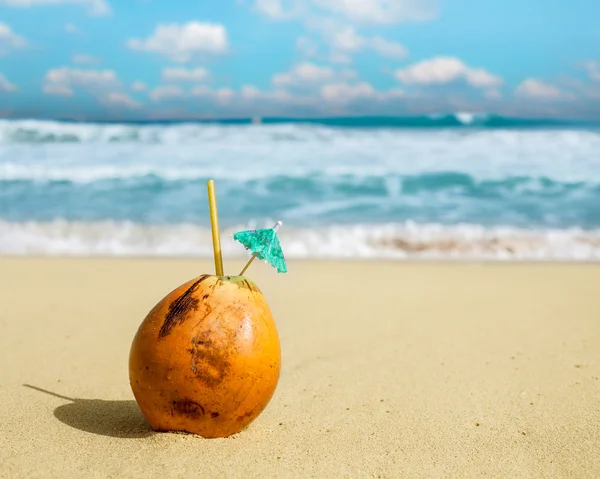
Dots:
{"x": 451, "y": 185}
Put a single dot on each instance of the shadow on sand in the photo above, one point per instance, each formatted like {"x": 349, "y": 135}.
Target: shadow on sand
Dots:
{"x": 122, "y": 419}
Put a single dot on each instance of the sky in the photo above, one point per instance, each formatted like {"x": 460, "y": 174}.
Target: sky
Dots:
{"x": 150, "y": 59}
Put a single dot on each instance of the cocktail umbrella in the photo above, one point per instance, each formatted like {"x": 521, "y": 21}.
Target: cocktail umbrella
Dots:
{"x": 265, "y": 245}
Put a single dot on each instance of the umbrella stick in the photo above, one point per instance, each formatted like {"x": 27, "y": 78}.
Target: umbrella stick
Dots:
{"x": 214, "y": 222}
{"x": 248, "y": 264}
{"x": 277, "y": 225}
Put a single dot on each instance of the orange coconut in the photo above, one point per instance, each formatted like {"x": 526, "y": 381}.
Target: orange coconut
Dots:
{"x": 206, "y": 359}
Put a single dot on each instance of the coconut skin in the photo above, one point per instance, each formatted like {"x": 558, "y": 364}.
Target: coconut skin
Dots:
{"x": 206, "y": 359}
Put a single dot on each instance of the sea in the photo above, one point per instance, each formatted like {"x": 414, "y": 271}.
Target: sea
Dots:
{"x": 457, "y": 186}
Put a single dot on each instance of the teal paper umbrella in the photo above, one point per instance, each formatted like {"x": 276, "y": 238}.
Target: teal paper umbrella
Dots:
{"x": 264, "y": 243}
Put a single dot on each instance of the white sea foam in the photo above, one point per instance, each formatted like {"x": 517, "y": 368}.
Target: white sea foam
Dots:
{"x": 392, "y": 241}
{"x": 307, "y": 175}
{"x": 249, "y": 151}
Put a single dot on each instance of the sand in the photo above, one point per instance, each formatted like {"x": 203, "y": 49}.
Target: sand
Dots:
{"x": 389, "y": 370}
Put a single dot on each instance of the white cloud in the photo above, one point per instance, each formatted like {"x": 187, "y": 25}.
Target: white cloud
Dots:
{"x": 302, "y": 74}
{"x": 182, "y": 74}
{"x": 340, "y": 58}
{"x": 250, "y": 92}
{"x": 84, "y": 59}
{"x": 481, "y": 78}
{"x": 307, "y": 46}
{"x": 167, "y": 92}
{"x": 139, "y": 86}
{"x": 248, "y": 96}
{"x": 344, "y": 41}
{"x": 336, "y": 95}
{"x": 9, "y": 40}
{"x": 493, "y": 93}
{"x": 201, "y": 90}
{"x": 593, "y": 69}
{"x": 387, "y": 48}
{"x": 5, "y": 85}
{"x": 63, "y": 81}
{"x": 316, "y": 85}
{"x": 60, "y": 90}
{"x": 224, "y": 95}
{"x": 381, "y": 11}
{"x": 280, "y": 95}
{"x": 347, "y": 40}
{"x": 275, "y": 9}
{"x": 443, "y": 70}
{"x": 183, "y": 43}
{"x": 533, "y": 88}
{"x": 80, "y": 77}
{"x": 364, "y": 11}
{"x": 71, "y": 28}
{"x": 345, "y": 91}
{"x": 95, "y": 7}
{"x": 121, "y": 100}
{"x": 336, "y": 21}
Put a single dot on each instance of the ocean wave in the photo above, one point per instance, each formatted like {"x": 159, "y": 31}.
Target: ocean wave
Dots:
{"x": 307, "y": 175}
{"x": 392, "y": 241}
{"x": 312, "y": 200}
{"x": 238, "y": 153}
{"x": 345, "y": 182}
{"x": 52, "y": 131}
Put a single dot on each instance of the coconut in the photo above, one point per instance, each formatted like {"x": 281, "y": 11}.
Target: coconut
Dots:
{"x": 206, "y": 359}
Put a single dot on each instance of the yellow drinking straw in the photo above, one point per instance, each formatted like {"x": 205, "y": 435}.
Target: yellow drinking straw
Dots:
{"x": 214, "y": 222}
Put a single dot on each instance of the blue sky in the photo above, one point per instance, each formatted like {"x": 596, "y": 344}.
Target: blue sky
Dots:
{"x": 129, "y": 59}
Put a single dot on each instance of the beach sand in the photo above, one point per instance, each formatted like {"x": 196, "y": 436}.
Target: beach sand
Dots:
{"x": 390, "y": 369}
